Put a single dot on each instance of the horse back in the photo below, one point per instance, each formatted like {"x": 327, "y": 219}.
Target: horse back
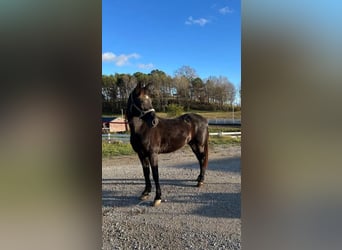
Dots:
{"x": 175, "y": 133}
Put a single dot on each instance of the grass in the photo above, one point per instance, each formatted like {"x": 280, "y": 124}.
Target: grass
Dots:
{"x": 110, "y": 149}
{"x": 224, "y": 140}
{"x": 217, "y": 128}
{"x": 116, "y": 149}
{"x": 219, "y": 114}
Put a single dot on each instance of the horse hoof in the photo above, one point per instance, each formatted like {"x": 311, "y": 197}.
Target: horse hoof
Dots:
{"x": 144, "y": 197}
{"x": 156, "y": 203}
{"x": 200, "y": 184}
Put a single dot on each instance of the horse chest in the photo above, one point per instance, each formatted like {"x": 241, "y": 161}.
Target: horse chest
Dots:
{"x": 146, "y": 141}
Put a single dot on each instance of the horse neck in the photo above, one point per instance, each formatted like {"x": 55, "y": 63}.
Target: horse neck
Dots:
{"x": 134, "y": 123}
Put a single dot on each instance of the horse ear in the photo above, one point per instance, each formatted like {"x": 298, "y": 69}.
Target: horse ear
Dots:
{"x": 147, "y": 86}
{"x": 138, "y": 88}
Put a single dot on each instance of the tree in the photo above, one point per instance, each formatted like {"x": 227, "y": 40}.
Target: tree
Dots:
{"x": 141, "y": 78}
{"x": 182, "y": 86}
{"x": 198, "y": 89}
{"x": 109, "y": 92}
{"x": 185, "y": 88}
{"x": 161, "y": 88}
{"x": 186, "y": 73}
{"x": 209, "y": 90}
{"x": 229, "y": 90}
{"x": 220, "y": 90}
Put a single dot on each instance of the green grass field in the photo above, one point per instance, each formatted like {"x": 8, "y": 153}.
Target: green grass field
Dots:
{"x": 218, "y": 128}
{"x": 116, "y": 148}
{"x": 119, "y": 148}
{"x": 224, "y": 140}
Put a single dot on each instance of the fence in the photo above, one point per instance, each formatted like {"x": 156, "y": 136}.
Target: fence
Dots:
{"x": 224, "y": 122}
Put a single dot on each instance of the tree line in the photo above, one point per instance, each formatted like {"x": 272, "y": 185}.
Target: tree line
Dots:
{"x": 185, "y": 88}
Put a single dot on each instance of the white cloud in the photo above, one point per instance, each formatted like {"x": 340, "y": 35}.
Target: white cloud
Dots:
{"x": 124, "y": 59}
{"x": 146, "y": 66}
{"x": 120, "y": 60}
{"x": 225, "y": 10}
{"x": 199, "y": 21}
{"x": 108, "y": 57}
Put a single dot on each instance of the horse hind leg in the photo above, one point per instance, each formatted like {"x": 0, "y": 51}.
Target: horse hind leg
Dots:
{"x": 203, "y": 167}
{"x": 201, "y": 152}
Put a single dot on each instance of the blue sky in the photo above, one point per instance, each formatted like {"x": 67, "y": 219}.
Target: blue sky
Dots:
{"x": 139, "y": 36}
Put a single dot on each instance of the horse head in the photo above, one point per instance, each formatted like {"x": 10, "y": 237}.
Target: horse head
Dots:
{"x": 140, "y": 105}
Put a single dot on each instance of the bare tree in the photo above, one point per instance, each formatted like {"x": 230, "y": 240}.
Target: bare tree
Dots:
{"x": 190, "y": 74}
{"x": 220, "y": 90}
{"x": 186, "y": 71}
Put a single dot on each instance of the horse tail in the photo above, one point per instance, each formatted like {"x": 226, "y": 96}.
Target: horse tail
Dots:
{"x": 206, "y": 148}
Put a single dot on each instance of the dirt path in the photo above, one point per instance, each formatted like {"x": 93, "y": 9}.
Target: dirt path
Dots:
{"x": 190, "y": 218}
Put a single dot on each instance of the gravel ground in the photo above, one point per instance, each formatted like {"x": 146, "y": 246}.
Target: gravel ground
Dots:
{"x": 188, "y": 218}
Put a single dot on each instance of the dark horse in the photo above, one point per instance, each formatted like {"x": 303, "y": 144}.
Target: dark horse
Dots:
{"x": 152, "y": 135}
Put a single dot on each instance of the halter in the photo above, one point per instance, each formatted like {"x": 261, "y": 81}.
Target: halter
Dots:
{"x": 142, "y": 112}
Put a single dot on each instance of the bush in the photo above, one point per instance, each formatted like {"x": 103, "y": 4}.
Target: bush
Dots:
{"x": 173, "y": 110}
{"x": 204, "y": 106}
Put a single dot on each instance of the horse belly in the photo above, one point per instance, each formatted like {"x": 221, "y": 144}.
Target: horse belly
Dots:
{"x": 171, "y": 144}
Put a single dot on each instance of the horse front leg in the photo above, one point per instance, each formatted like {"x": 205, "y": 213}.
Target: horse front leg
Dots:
{"x": 146, "y": 169}
{"x": 155, "y": 174}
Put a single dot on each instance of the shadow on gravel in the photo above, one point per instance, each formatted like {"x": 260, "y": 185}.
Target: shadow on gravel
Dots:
{"x": 216, "y": 205}
{"x": 116, "y": 199}
{"x": 114, "y": 181}
{"x": 224, "y": 164}
{"x": 141, "y": 182}
{"x": 119, "y": 199}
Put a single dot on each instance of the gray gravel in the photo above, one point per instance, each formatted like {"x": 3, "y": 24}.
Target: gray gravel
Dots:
{"x": 188, "y": 218}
